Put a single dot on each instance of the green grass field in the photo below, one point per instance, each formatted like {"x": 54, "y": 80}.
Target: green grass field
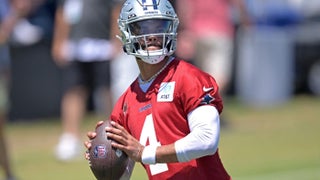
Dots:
{"x": 257, "y": 144}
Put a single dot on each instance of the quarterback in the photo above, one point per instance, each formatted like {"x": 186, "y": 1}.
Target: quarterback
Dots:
{"x": 168, "y": 119}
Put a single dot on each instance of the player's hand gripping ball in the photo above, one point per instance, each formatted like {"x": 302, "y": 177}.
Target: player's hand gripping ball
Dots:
{"x": 106, "y": 162}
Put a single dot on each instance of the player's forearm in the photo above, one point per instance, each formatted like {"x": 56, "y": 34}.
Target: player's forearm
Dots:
{"x": 166, "y": 154}
{"x": 203, "y": 140}
{"x": 61, "y": 29}
{"x": 159, "y": 154}
{"x": 153, "y": 154}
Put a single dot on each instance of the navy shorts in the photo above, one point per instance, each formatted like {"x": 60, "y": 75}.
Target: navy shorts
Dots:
{"x": 87, "y": 74}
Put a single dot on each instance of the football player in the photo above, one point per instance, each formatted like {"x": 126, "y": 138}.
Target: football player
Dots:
{"x": 168, "y": 119}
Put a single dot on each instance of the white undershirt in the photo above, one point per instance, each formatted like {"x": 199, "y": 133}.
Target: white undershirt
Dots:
{"x": 203, "y": 140}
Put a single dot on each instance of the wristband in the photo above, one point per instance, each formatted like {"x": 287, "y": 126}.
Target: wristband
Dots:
{"x": 149, "y": 154}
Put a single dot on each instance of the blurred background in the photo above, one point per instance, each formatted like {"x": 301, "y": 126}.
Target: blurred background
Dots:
{"x": 274, "y": 87}
{"x": 280, "y": 49}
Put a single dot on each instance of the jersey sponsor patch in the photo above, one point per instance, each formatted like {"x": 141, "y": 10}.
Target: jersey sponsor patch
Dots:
{"x": 166, "y": 92}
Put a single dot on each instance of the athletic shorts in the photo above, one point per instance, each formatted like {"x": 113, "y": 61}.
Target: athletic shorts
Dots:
{"x": 87, "y": 74}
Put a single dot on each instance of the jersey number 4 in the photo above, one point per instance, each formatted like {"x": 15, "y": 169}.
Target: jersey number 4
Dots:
{"x": 149, "y": 133}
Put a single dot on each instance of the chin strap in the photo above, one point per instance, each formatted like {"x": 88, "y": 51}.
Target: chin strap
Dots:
{"x": 152, "y": 59}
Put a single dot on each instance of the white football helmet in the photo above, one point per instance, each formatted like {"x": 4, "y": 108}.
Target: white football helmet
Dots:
{"x": 145, "y": 23}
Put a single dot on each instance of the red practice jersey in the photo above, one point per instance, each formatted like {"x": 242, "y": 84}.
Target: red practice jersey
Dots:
{"x": 159, "y": 116}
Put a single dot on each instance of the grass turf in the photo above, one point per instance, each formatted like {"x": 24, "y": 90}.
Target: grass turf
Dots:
{"x": 257, "y": 144}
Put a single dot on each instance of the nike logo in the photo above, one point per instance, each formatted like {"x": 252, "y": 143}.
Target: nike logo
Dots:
{"x": 207, "y": 89}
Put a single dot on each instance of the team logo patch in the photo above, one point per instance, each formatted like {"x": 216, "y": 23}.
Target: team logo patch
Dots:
{"x": 149, "y": 3}
{"x": 100, "y": 151}
{"x": 207, "y": 99}
{"x": 166, "y": 92}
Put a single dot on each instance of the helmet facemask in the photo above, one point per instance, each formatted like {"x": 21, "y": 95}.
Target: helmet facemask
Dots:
{"x": 152, "y": 39}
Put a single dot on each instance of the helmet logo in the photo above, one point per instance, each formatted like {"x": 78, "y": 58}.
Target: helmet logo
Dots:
{"x": 146, "y": 4}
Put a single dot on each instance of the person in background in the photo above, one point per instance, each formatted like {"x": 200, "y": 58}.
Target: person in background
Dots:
{"x": 207, "y": 30}
{"x": 12, "y": 12}
{"x": 5, "y": 162}
{"x": 123, "y": 68}
{"x": 168, "y": 119}
{"x": 83, "y": 48}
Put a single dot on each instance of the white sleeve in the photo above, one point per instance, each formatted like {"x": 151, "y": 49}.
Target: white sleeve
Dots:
{"x": 203, "y": 140}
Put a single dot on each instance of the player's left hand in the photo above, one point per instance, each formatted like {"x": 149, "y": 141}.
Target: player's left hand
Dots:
{"x": 124, "y": 141}
{"x": 91, "y": 135}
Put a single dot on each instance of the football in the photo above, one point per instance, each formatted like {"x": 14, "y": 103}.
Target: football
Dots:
{"x": 106, "y": 162}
